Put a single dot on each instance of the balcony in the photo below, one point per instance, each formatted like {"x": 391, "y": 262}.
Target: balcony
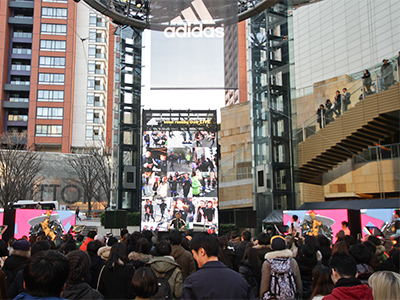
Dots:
{"x": 21, "y": 68}
{"x": 22, "y": 35}
{"x": 100, "y": 71}
{"x": 100, "y": 55}
{"x": 100, "y": 40}
{"x": 99, "y": 87}
{"x": 101, "y": 24}
{"x": 22, "y": 51}
{"x": 99, "y": 104}
{"x": 21, "y": 4}
{"x": 20, "y": 20}
{"x": 19, "y": 99}
{"x": 18, "y": 118}
{"x": 98, "y": 120}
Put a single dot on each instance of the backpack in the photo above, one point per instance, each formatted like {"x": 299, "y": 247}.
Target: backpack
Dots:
{"x": 282, "y": 283}
{"x": 164, "y": 289}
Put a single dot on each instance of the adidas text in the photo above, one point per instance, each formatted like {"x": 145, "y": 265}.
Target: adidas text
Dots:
{"x": 198, "y": 31}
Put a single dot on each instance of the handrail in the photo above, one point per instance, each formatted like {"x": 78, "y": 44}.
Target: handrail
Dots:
{"x": 315, "y": 123}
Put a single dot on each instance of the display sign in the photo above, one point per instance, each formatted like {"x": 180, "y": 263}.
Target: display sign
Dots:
{"x": 194, "y": 44}
{"x": 377, "y": 222}
{"x": 179, "y": 171}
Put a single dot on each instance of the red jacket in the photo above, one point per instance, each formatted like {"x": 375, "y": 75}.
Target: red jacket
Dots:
{"x": 83, "y": 247}
{"x": 350, "y": 288}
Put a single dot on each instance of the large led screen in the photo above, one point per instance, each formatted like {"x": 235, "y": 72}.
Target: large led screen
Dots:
{"x": 53, "y": 223}
{"x": 314, "y": 222}
{"x": 179, "y": 171}
{"x": 380, "y": 219}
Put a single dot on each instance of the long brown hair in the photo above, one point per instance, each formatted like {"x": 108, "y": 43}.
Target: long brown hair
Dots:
{"x": 322, "y": 281}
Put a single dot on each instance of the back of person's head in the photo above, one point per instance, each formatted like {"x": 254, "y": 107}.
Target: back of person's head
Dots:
{"x": 234, "y": 235}
{"x": 252, "y": 256}
{"x": 91, "y": 234}
{"x": 144, "y": 283}
{"x": 69, "y": 246}
{"x": 396, "y": 259}
{"x": 374, "y": 240}
{"x": 322, "y": 281}
{"x": 117, "y": 254}
{"x": 385, "y": 285}
{"x": 349, "y": 239}
{"x": 223, "y": 242}
{"x": 340, "y": 246}
{"x": 42, "y": 245}
{"x": 175, "y": 237}
{"x": 344, "y": 223}
{"x": 3, "y": 248}
{"x": 278, "y": 243}
{"x": 143, "y": 246}
{"x": 246, "y": 235}
{"x": 79, "y": 238}
{"x": 323, "y": 241}
{"x": 79, "y": 263}
{"x": 206, "y": 241}
{"x": 163, "y": 248}
{"x": 360, "y": 253}
{"x": 263, "y": 238}
{"x": 370, "y": 246}
{"x": 123, "y": 232}
{"x": 397, "y": 212}
{"x": 93, "y": 247}
{"x": 344, "y": 264}
{"x": 46, "y": 273}
{"x": 111, "y": 241}
{"x": 312, "y": 240}
{"x": 295, "y": 218}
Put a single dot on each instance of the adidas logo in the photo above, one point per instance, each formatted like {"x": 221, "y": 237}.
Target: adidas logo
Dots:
{"x": 191, "y": 26}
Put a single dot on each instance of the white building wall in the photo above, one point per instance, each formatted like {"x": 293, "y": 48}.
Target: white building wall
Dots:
{"x": 336, "y": 37}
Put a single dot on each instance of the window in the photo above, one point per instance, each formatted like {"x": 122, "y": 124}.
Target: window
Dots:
{"x": 92, "y": 51}
{"x": 51, "y": 62}
{"x": 89, "y": 115}
{"x": 50, "y": 78}
{"x": 49, "y": 130}
{"x": 89, "y": 132}
{"x": 92, "y": 20}
{"x": 50, "y": 96}
{"x": 49, "y": 113}
{"x": 49, "y": 45}
{"x": 90, "y": 99}
{"x": 91, "y": 66}
{"x": 92, "y": 35}
{"x": 93, "y": 133}
{"x": 53, "y": 29}
{"x": 91, "y": 83}
{"x": 55, "y": 13}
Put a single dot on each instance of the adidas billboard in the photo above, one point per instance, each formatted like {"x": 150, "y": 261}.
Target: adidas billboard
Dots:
{"x": 192, "y": 25}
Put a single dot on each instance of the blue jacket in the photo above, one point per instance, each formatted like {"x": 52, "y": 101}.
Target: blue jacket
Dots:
{"x": 25, "y": 296}
{"x": 216, "y": 281}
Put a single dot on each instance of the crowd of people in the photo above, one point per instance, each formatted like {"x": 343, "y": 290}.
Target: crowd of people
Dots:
{"x": 147, "y": 265}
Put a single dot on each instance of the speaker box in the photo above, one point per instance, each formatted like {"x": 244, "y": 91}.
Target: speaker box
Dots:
{"x": 246, "y": 218}
{"x": 9, "y": 219}
{"x": 115, "y": 219}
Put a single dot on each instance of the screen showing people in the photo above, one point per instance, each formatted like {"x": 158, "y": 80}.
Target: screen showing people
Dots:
{"x": 179, "y": 180}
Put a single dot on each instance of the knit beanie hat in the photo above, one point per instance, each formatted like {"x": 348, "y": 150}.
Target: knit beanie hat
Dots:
{"x": 79, "y": 262}
{"x": 278, "y": 243}
{"x": 22, "y": 245}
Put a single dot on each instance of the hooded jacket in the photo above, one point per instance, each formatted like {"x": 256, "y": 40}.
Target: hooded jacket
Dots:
{"x": 266, "y": 270}
{"x": 14, "y": 263}
{"x": 350, "y": 288}
{"x": 83, "y": 247}
{"x": 184, "y": 259}
{"x": 104, "y": 252}
{"x": 161, "y": 265}
{"x": 25, "y": 296}
{"x": 80, "y": 290}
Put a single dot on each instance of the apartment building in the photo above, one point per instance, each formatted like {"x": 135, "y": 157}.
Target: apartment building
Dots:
{"x": 54, "y": 78}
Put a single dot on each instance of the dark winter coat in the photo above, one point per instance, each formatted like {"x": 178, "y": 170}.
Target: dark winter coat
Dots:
{"x": 185, "y": 259}
{"x": 97, "y": 264}
{"x": 117, "y": 284}
{"x": 250, "y": 276}
{"x": 25, "y": 296}
{"x": 17, "y": 287}
{"x": 239, "y": 250}
{"x": 80, "y": 290}
{"x": 13, "y": 264}
{"x": 214, "y": 280}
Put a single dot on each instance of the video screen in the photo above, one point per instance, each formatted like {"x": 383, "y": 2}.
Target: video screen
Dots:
{"x": 179, "y": 172}
{"x": 53, "y": 223}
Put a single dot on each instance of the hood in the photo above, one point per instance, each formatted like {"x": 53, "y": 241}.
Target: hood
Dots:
{"x": 21, "y": 253}
{"x": 362, "y": 291}
{"x": 177, "y": 251}
{"x": 104, "y": 252}
{"x": 279, "y": 253}
{"x": 259, "y": 247}
{"x": 140, "y": 256}
{"x": 162, "y": 264}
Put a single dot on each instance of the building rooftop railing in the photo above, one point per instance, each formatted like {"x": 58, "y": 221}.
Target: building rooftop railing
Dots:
{"x": 378, "y": 152}
{"x": 360, "y": 89}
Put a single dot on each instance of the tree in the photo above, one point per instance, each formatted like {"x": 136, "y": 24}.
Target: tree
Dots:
{"x": 19, "y": 167}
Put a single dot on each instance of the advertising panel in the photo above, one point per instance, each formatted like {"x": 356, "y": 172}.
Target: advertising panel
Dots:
{"x": 53, "y": 223}
{"x": 190, "y": 43}
{"x": 179, "y": 171}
